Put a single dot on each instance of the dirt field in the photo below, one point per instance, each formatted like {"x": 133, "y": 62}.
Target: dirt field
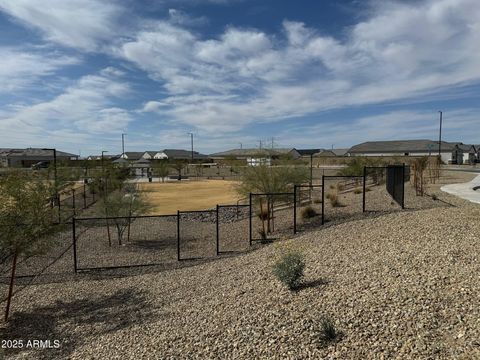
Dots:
{"x": 167, "y": 198}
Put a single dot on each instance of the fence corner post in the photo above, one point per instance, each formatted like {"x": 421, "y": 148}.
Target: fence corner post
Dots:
{"x": 323, "y": 199}
{"x": 178, "y": 235}
{"x": 403, "y": 186}
{"x": 364, "y": 187}
{"x": 294, "y": 209}
{"x": 74, "y": 237}
{"x": 218, "y": 232}
{"x": 250, "y": 219}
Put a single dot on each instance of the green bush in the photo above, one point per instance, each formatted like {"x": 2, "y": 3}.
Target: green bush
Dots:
{"x": 357, "y": 190}
{"x": 328, "y": 332}
{"x": 308, "y": 212}
{"x": 317, "y": 201}
{"x": 289, "y": 269}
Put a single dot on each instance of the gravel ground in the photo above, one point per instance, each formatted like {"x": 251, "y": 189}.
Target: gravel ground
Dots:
{"x": 402, "y": 285}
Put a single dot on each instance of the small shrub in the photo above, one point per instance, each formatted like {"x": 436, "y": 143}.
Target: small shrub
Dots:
{"x": 289, "y": 269}
{"x": 332, "y": 186}
{"x": 367, "y": 189}
{"x": 357, "y": 190}
{"x": 340, "y": 187}
{"x": 308, "y": 212}
{"x": 328, "y": 196}
{"x": 333, "y": 197}
{"x": 328, "y": 332}
{"x": 434, "y": 197}
{"x": 317, "y": 200}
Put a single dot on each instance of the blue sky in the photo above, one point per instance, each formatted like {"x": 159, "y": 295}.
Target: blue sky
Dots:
{"x": 76, "y": 74}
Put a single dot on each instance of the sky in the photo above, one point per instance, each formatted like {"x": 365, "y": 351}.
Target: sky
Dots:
{"x": 77, "y": 74}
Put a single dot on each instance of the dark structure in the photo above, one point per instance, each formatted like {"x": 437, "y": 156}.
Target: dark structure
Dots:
{"x": 10, "y": 157}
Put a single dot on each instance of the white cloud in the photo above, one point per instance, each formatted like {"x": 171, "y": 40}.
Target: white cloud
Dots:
{"x": 21, "y": 68}
{"x": 85, "y": 108}
{"x": 403, "y": 50}
{"x": 83, "y": 24}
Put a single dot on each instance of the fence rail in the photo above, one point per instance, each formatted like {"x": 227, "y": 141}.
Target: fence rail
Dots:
{"x": 112, "y": 242}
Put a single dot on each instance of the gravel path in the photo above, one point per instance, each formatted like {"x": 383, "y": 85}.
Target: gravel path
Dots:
{"x": 403, "y": 285}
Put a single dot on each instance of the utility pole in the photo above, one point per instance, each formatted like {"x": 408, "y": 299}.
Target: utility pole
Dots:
{"x": 440, "y": 137}
{"x": 191, "y": 141}
{"x": 123, "y": 145}
{"x": 260, "y": 144}
{"x": 241, "y": 146}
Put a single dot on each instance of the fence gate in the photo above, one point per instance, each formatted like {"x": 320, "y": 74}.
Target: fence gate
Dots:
{"x": 396, "y": 183}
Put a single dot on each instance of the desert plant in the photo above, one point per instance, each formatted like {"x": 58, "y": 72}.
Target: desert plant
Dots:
{"x": 161, "y": 169}
{"x": 121, "y": 205}
{"x": 328, "y": 332}
{"x": 333, "y": 197}
{"x": 25, "y": 220}
{"x": 266, "y": 179}
{"x": 317, "y": 200}
{"x": 434, "y": 197}
{"x": 289, "y": 269}
{"x": 357, "y": 190}
{"x": 308, "y": 212}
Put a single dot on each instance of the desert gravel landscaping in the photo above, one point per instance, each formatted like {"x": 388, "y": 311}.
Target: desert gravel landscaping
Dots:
{"x": 402, "y": 285}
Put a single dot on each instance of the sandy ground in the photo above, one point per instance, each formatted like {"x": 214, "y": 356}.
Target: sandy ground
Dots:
{"x": 167, "y": 198}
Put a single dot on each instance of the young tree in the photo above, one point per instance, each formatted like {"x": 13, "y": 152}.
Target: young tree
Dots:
{"x": 161, "y": 169}
{"x": 179, "y": 165}
{"x": 265, "y": 179}
{"x": 25, "y": 220}
{"x": 121, "y": 205}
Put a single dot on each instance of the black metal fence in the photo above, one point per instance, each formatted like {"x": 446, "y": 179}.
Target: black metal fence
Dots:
{"x": 197, "y": 234}
{"x": 233, "y": 228}
{"x": 271, "y": 215}
{"x": 72, "y": 202}
{"x": 114, "y": 242}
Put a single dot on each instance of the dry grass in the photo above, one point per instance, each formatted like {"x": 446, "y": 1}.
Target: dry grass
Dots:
{"x": 167, "y": 198}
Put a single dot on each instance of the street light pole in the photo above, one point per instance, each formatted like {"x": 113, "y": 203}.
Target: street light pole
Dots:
{"x": 191, "y": 140}
{"x": 440, "y": 137}
{"x": 123, "y": 145}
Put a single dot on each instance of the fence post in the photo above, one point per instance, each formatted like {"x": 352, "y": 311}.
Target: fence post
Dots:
{"x": 74, "y": 246}
{"x": 84, "y": 195}
{"x": 218, "y": 233}
{"x": 59, "y": 208}
{"x": 178, "y": 235}
{"x": 323, "y": 199}
{"x": 403, "y": 186}
{"x": 364, "y": 187}
{"x": 294, "y": 209}
{"x": 250, "y": 219}
{"x": 73, "y": 202}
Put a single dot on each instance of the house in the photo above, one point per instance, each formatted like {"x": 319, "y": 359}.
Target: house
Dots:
{"x": 173, "y": 154}
{"x": 105, "y": 157}
{"x": 12, "y": 157}
{"x": 340, "y": 152}
{"x": 254, "y": 153}
{"x": 451, "y": 152}
{"x": 132, "y": 155}
{"x": 469, "y": 153}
